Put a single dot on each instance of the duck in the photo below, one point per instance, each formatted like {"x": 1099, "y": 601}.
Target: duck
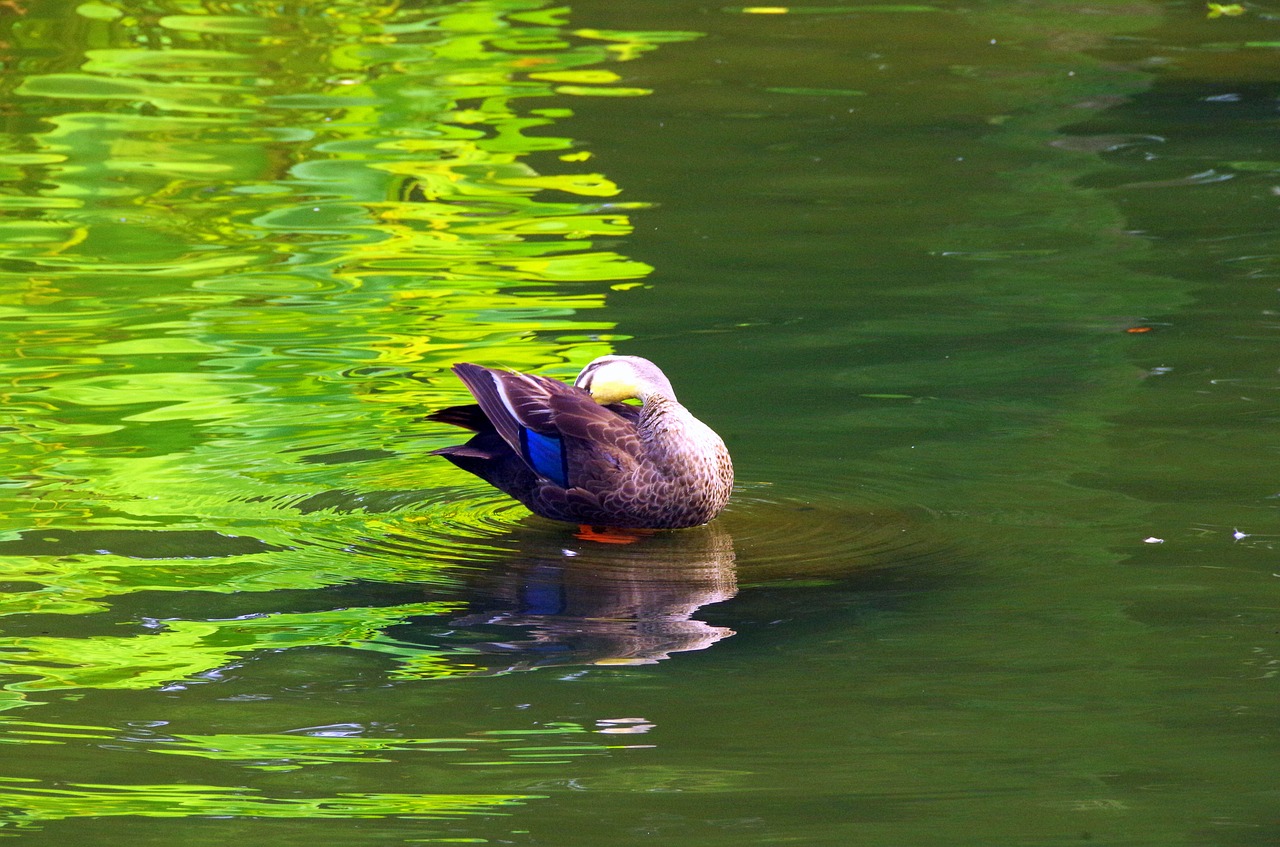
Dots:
{"x": 581, "y": 454}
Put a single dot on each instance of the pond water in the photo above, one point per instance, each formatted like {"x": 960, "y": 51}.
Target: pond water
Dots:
{"x": 982, "y": 298}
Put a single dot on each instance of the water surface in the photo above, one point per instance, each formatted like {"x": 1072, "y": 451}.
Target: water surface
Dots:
{"x": 982, "y": 299}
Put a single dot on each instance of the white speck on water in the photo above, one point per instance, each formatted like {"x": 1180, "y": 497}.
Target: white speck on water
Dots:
{"x": 1153, "y": 540}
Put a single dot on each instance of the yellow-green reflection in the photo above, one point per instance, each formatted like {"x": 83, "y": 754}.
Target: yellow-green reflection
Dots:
{"x": 344, "y": 744}
{"x": 36, "y": 803}
{"x": 244, "y": 238}
{"x": 564, "y": 601}
{"x": 178, "y": 650}
{"x": 240, "y": 245}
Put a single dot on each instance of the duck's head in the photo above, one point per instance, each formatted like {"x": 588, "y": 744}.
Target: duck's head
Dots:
{"x": 612, "y": 379}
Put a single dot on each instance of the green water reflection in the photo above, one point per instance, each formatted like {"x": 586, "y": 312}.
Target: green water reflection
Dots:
{"x": 242, "y": 243}
{"x": 221, "y": 290}
{"x": 982, "y": 300}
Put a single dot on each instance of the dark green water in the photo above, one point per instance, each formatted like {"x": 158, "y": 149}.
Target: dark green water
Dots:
{"x": 982, "y": 298}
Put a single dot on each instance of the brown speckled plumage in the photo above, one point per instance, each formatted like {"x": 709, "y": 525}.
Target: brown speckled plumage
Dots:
{"x": 568, "y": 457}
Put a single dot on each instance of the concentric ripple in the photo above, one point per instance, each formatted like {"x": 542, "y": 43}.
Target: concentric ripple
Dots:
{"x": 769, "y": 532}
{"x": 780, "y": 533}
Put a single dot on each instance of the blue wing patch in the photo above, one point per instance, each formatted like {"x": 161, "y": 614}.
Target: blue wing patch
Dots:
{"x": 545, "y": 454}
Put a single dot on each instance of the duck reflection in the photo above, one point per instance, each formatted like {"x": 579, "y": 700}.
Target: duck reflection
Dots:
{"x": 604, "y": 599}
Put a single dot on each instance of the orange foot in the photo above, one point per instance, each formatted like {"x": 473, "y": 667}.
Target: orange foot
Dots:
{"x": 611, "y": 535}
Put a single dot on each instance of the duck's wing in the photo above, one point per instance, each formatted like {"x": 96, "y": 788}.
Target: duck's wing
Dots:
{"x": 562, "y": 434}
{"x": 510, "y": 400}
